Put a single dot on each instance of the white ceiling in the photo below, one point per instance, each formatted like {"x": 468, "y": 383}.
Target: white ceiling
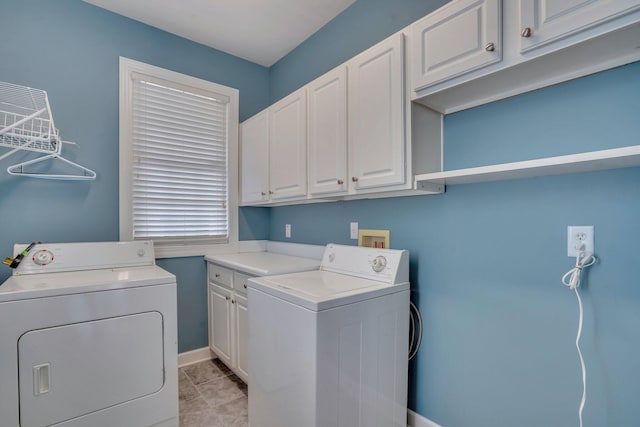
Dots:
{"x": 261, "y": 31}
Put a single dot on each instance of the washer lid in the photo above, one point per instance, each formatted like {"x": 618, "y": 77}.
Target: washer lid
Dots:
{"x": 51, "y": 284}
{"x": 321, "y": 290}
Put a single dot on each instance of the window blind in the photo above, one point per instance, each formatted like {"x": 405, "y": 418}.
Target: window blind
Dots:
{"x": 180, "y": 167}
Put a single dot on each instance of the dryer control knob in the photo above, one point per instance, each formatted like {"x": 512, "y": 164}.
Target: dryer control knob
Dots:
{"x": 378, "y": 263}
{"x": 332, "y": 256}
{"x": 43, "y": 257}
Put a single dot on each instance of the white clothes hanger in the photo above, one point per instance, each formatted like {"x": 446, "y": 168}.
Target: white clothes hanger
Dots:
{"x": 27, "y": 124}
{"x": 18, "y": 169}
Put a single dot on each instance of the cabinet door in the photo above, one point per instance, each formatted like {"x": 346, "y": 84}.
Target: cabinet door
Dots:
{"x": 254, "y": 159}
{"x": 220, "y": 327}
{"x": 458, "y": 38}
{"x": 552, "y": 20}
{"x": 242, "y": 343}
{"x": 288, "y": 147}
{"x": 327, "y": 137}
{"x": 376, "y": 116}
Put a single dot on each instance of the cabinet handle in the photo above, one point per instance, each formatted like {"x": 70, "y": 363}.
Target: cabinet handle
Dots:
{"x": 354, "y": 178}
{"x": 244, "y": 285}
{"x": 227, "y": 298}
{"x": 217, "y": 275}
{"x": 490, "y": 47}
{"x": 270, "y": 192}
{"x": 233, "y": 301}
{"x": 340, "y": 182}
{"x": 526, "y": 32}
{"x": 263, "y": 193}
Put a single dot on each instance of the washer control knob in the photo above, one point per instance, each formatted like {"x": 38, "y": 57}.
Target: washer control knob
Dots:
{"x": 378, "y": 263}
{"x": 43, "y": 257}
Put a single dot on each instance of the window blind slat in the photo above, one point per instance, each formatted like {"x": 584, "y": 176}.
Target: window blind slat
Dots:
{"x": 179, "y": 186}
{"x": 172, "y": 110}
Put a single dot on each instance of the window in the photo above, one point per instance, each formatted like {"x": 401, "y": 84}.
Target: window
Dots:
{"x": 178, "y": 160}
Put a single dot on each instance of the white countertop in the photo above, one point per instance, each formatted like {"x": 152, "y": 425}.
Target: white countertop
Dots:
{"x": 264, "y": 263}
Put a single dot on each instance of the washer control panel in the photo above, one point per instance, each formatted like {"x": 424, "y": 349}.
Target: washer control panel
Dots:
{"x": 59, "y": 257}
{"x": 384, "y": 265}
{"x": 378, "y": 263}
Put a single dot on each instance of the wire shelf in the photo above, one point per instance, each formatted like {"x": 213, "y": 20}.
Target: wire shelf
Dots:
{"x": 25, "y": 120}
{"x": 26, "y": 123}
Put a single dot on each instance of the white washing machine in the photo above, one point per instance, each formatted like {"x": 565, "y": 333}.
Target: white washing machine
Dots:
{"x": 88, "y": 338}
{"x": 328, "y": 348}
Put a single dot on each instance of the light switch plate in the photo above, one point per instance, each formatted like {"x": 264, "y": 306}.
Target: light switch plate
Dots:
{"x": 354, "y": 231}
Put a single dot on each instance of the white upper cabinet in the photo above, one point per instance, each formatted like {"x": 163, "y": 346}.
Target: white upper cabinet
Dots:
{"x": 327, "y": 136}
{"x": 547, "y": 21}
{"x": 254, "y": 159}
{"x": 460, "y": 37}
{"x": 472, "y": 52}
{"x": 376, "y": 116}
{"x": 288, "y": 147}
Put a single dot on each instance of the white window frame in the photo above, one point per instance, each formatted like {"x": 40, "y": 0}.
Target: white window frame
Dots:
{"x": 168, "y": 249}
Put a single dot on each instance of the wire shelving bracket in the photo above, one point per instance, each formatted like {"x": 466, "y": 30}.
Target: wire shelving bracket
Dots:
{"x": 26, "y": 124}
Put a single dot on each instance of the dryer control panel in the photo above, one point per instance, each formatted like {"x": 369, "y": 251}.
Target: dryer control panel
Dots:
{"x": 383, "y": 265}
{"x": 59, "y": 257}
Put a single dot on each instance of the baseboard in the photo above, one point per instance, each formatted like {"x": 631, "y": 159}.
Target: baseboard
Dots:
{"x": 194, "y": 356}
{"x": 417, "y": 420}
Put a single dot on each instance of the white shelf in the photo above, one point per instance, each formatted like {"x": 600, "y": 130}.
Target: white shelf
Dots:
{"x": 614, "y": 158}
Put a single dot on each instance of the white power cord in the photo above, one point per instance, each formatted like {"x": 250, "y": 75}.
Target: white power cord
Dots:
{"x": 572, "y": 280}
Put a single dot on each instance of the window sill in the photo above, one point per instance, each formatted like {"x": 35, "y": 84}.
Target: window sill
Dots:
{"x": 181, "y": 251}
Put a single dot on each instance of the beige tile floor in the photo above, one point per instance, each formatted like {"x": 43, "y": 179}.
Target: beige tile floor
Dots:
{"x": 211, "y": 396}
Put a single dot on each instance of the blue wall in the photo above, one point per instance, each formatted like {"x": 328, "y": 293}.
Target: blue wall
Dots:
{"x": 486, "y": 259}
{"x": 359, "y": 27}
{"x": 71, "y": 49}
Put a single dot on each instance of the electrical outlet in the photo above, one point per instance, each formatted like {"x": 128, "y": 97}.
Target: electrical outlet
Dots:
{"x": 287, "y": 231}
{"x": 579, "y": 239}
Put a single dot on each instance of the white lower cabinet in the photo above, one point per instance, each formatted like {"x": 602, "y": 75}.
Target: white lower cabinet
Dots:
{"x": 241, "y": 324}
{"x": 220, "y": 322}
{"x": 228, "y": 318}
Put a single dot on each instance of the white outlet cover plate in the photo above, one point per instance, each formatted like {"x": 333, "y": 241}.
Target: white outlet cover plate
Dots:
{"x": 577, "y": 236}
{"x": 354, "y": 231}
{"x": 287, "y": 231}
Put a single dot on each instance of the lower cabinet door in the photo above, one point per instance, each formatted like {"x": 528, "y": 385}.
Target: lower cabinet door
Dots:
{"x": 241, "y": 330}
{"x": 220, "y": 327}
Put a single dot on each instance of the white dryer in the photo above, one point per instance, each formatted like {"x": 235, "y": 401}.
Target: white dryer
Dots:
{"x": 88, "y": 338}
{"x": 328, "y": 348}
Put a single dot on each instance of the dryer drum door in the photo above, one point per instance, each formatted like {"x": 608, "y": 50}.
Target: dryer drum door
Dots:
{"x": 73, "y": 370}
